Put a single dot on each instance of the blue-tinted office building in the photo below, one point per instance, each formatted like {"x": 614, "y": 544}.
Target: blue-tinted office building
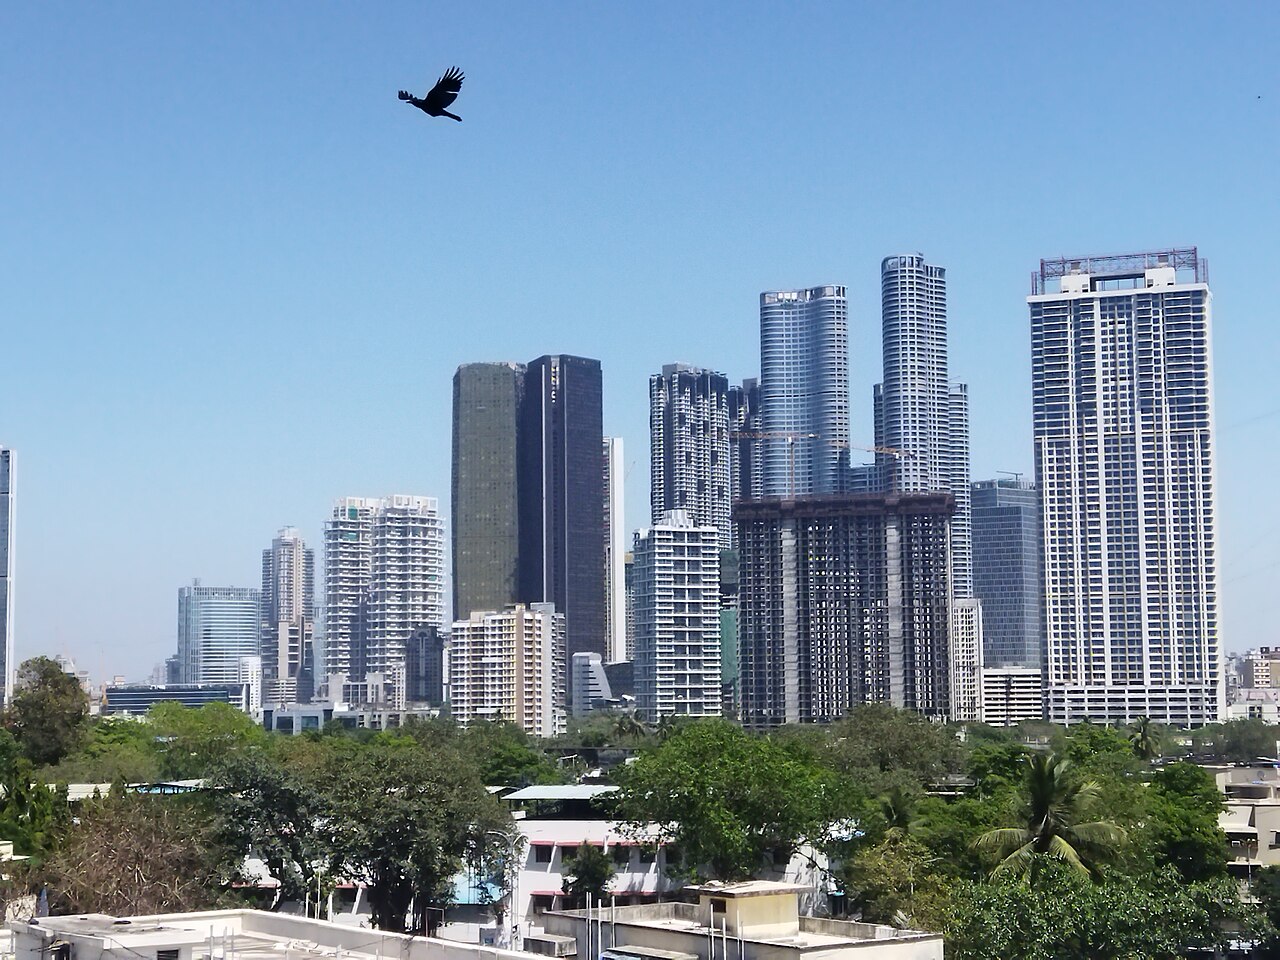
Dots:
{"x": 1006, "y": 571}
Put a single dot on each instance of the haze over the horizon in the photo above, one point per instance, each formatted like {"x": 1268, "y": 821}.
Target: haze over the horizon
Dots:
{"x": 237, "y": 274}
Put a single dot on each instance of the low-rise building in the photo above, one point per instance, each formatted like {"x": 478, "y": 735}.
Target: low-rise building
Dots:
{"x": 226, "y": 935}
{"x": 1012, "y": 695}
{"x": 1250, "y": 816}
{"x": 138, "y": 699}
{"x": 756, "y": 919}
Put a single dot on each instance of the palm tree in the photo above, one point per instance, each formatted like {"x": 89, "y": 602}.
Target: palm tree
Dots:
{"x": 1145, "y": 738}
{"x": 1053, "y": 804}
{"x": 629, "y": 726}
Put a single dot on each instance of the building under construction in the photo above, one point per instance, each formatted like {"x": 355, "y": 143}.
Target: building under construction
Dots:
{"x": 842, "y": 599}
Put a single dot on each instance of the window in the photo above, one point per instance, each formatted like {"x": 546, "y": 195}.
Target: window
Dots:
{"x": 543, "y": 854}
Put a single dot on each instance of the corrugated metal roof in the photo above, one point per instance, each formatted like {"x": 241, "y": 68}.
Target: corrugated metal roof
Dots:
{"x": 561, "y": 791}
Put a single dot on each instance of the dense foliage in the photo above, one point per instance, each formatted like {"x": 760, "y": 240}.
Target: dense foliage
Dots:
{"x": 1035, "y": 842}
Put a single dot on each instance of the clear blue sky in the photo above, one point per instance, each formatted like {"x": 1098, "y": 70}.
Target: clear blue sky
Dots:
{"x": 236, "y": 275}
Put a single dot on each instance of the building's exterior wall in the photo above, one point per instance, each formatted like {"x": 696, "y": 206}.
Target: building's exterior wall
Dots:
{"x": 677, "y": 601}
{"x": 1006, "y": 571}
{"x": 286, "y": 632}
{"x": 842, "y": 600}
{"x": 615, "y": 550}
{"x": 8, "y": 667}
{"x": 1123, "y": 427}
{"x": 562, "y": 496}
{"x": 485, "y": 517}
{"x": 918, "y": 410}
{"x": 966, "y": 660}
{"x": 384, "y": 579}
{"x": 689, "y": 446}
{"x": 509, "y": 665}
{"x": 216, "y": 627}
{"x": 804, "y": 390}
{"x": 1012, "y": 695}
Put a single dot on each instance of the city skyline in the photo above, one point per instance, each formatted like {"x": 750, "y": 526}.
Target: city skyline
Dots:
{"x": 254, "y": 256}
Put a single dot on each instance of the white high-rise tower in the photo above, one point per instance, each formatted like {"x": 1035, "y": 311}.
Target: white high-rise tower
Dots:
{"x": 1123, "y": 404}
{"x": 384, "y": 578}
{"x": 919, "y": 411}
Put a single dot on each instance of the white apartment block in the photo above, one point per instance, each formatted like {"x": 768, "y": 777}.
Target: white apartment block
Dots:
{"x": 509, "y": 665}
{"x": 676, "y": 585}
{"x": 1123, "y": 426}
{"x": 966, "y": 660}
{"x": 1012, "y": 695}
{"x": 615, "y": 552}
{"x": 384, "y": 578}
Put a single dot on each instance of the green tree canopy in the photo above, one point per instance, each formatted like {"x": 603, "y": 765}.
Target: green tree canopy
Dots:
{"x": 588, "y": 871}
{"x": 265, "y": 808}
{"x": 48, "y": 712}
{"x": 194, "y": 742}
{"x": 403, "y": 819}
{"x": 1066, "y": 917}
{"x": 729, "y": 800}
{"x": 881, "y": 746}
{"x": 1051, "y": 827}
{"x": 1179, "y": 827}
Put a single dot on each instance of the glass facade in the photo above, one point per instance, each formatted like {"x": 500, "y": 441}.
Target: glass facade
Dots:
{"x": 1006, "y": 571}
{"x": 804, "y": 390}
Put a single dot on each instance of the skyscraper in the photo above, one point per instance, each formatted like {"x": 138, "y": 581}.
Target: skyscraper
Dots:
{"x": 406, "y": 584}
{"x": 288, "y": 598}
{"x": 689, "y": 446}
{"x": 615, "y": 551}
{"x": 1123, "y": 426}
{"x": 1006, "y": 571}
{"x": 8, "y": 668}
{"x": 745, "y": 480}
{"x": 217, "y": 626}
{"x": 842, "y": 600}
{"x": 677, "y": 596}
{"x": 384, "y": 579}
{"x": 917, "y": 409}
{"x": 804, "y": 390}
{"x": 562, "y": 496}
{"x": 486, "y": 531}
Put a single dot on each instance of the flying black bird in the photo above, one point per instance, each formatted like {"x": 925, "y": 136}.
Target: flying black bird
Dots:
{"x": 442, "y": 94}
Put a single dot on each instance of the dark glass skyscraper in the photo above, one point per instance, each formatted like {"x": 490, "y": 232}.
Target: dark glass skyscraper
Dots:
{"x": 561, "y": 494}
{"x": 1006, "y": 571}
{"x": 486, "y": 531}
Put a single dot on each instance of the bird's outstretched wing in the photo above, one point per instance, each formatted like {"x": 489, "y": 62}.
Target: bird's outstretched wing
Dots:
{"x": 446, "y": 90}
{"x": 405, "y": 95}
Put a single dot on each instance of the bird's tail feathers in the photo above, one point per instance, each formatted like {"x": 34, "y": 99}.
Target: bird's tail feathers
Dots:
{"x": 404, "y": 95}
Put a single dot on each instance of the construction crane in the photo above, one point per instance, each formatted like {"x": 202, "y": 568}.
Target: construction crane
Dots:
{"x": 791, "y": 436}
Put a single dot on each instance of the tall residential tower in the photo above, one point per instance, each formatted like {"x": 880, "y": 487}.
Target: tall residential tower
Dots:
{"x": 288, "y": 599}
{"x": 1123, "y": 425}
{"x": 804, "y": 390}
{"x": 918, "y": 410}
{"x": 689, "y": 447}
